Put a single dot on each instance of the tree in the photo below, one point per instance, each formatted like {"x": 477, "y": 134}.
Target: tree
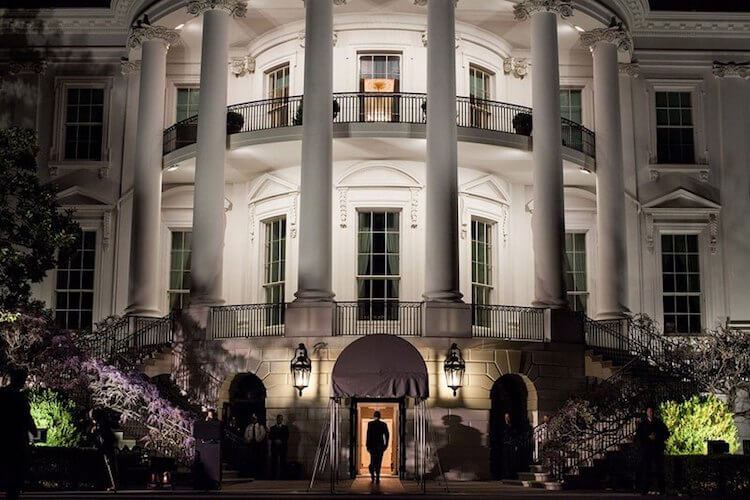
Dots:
{"x": 34, "y": 227}
{"x": 695, "y": 421}
{"x": 59, "y": 415}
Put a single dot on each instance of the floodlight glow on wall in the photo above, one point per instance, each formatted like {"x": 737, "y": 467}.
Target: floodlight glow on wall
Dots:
{"x": 301, "y": 367}
{"x": 454, "y": 368}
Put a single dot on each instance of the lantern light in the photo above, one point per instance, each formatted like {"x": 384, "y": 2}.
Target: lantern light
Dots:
{"x": 454, "y": 367}
{"x": 301, "y": 367}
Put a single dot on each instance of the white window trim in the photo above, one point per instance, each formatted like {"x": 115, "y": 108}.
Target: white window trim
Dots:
{"x": 388, "y": 208}
{"x": 172, "y": 229}
{"x": 496, "y": 225}
{"x": 696, "y": 89}
{"x": 57, "y": 159}
{"x": 273, "y": 64}
{"x": 585, "y": 85}
{"x": 588, "y": 238}
{"x": 170, "y": 104}
{"x": 272, "y": 69}
{"x": 359, "y": 52}
{"x": 485, "y": 69}
{"x": 86, "y": 225}
{"x": 267, "y": 219}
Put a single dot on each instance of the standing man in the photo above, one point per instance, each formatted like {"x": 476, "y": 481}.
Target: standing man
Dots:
{"x": 279, "y": 437}
{"x": 652, "y": 435}
{"x": 255, "y": 437}
{"x": 509, "y": 448}
{"x": 16, "y": 424}
{"x": 106, "y": 443}
{"x": 377, "y": 442}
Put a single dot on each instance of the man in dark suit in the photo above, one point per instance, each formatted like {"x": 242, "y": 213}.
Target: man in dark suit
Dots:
{"x": 377, "y": 442}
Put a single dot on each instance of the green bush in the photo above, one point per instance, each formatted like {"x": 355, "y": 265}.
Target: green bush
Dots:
{"x": 695, "y": 421}
{"x": 58, "y": 415}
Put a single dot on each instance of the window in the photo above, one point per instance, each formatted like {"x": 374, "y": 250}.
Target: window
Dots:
{"x": 479, "y": 92}
{"x": 674, "y": 128}
{"x": 275, "y": 265}
{"x": 379, "y": 73}
{"x": 571, "y": 110}
{"x": 178, "y": 293}
{"x": 187, "y": 103}
{"x": 74, "y": 290}
{"x": 378, "y": 265}
{"x": 84, "y": 121}
{"x": 575, "y": 274}
{"x": 681, "y": 283}
{"x": 481, "y": 270}
{"x": 278, "y": 88}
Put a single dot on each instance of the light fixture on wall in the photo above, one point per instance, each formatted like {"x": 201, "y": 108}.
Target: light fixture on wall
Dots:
{"x": 301, "y": 367}
{"x": 454, "y": 368}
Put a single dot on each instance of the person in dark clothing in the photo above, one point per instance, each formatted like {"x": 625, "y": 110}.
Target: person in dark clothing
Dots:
{"x": 279, "y": 437}
{"x": 106, "y": 443}
{"x": 377, "y": 442}
{"x": 508, "y": 443}
{"x": 651, "y": 435}
{"x": 16, "y": 424}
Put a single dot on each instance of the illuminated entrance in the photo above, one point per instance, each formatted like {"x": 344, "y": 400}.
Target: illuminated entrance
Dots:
{"x": 391, "y": 415}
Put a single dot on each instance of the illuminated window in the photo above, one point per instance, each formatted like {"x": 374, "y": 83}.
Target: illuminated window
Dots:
{"x": 187, "y": 102}
{"x": 379, "y": 73}
{"x": 575, "y": 274}
{"x": 275, "y": 268}
{"x": 570, "y": 109}
{"x": 681, "y": 283}
{"x": 479, "y": 91}
{"x": 378, "y": 265}
{"x": 84, "y": 121}
{"x": 674, "y": 128}
{"x": 277, "y": 88}
{"x": 178, "y": 293}
{"x": 481, "y": 269}
{"x": 74, "y": 289}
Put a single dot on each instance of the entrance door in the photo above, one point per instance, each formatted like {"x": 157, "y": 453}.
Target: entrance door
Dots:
{"x": 389, "y": 414}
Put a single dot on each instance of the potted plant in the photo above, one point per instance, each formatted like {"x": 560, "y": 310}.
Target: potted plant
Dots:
{"x": 298, "y": 115}
{"x": 522, "y": 123}
{"x": 235, "y": 121}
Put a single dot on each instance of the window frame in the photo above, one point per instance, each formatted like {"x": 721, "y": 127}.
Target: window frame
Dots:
{"x": 181, "y": 291}
{"x": 385, "y": 53}
{"x": 267, "y": 79}
{"x": 177, "y": 99}
{"x": 675, "y": 293}
{"x": 57, "y": 150}
{"x": 587, "y": 293}
{"x": 97, "y": 266}
{"x": 490, "y": 82}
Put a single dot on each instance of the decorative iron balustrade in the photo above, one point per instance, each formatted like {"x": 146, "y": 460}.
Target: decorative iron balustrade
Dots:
{"x": 361, "y": 107}
{"x": 127, "y": 340}
{"x": 246, "y": 320}
{"x": 507, "y": 322}
{"x": 371, "y": 317}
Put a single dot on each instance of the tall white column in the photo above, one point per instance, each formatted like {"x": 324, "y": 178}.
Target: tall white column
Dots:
{"x": 316, "y": 190}
{"x": 208, "y": 205}
{"x": 610, "y": 186}
{"x": 143, "y": 288}
{"x": 548, "y": 219}
{"x": 441, "y": 240}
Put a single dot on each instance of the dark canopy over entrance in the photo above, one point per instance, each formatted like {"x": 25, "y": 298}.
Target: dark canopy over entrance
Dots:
{"x": 379, "y": 366}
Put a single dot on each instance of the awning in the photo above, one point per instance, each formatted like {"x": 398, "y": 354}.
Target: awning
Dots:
{"x": 379, "y": 366}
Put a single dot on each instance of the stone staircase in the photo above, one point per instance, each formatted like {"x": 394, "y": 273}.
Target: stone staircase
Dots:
{"x": 536, "y": 478}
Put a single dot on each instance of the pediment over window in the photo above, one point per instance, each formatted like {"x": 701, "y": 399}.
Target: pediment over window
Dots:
{"x": 270, "y": 186}
{"x": 377, "y": 175}
{"x": 77, "y": 196}
{"x": 681, "y": 199}
{"x": 487, "y": 187}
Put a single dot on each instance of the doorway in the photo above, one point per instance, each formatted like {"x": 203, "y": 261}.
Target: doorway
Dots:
{"x": 508, "y": 395}
{"x": 391, "y": 413}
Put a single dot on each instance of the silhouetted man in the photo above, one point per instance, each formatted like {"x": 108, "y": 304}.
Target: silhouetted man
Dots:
{"x": 279, "y": 437}
{"x": 255, "y": 436}
{"x": 106, "y": 443}
{"x": 652, "y": 435}
{"x": 16, "y": 424}
{"x": 508, "y": 442}
{"x": 377, "y": 442}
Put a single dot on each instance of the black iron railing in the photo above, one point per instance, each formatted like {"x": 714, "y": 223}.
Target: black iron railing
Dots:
{"x": 367, "y": 317}
{"x": 361, "y": 107}
{"x": 127, "y": 340}
{"x": 246, "y": 320}
{"x": 507, "y": 322}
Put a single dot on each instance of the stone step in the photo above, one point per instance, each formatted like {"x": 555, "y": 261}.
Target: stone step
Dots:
{"x": 542, "y": 485}
{"x": 534, "y": 476}
{"x": 537, "y": 468}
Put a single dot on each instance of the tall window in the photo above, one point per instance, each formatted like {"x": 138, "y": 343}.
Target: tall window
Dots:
{"x": 570, "y": 109}
{"x": 187, "y": 102}
{"x": 479, "y": 91}
{"x": 84, "y": 119}
{"x": 277, "y": 85}
{"x": 481, "y": 269}
{"x": 275, "y": 265}
{"x": 378, "y": 265}
{"x": 674, "y": 128}
{"x": 179, "y": 270}
{"x": 74, "y": 290}
{"x": 575, "y": 274}
{"x": 379, "y": 73}
{"x": 681, "y": 283}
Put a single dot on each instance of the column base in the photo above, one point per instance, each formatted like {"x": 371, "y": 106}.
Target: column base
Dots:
{"x": 305, "y": 318}
{"x": 142, "y": 311}
{"x": 563, "y": 325}
{"x": 603, "y": 316}
{"x": 446, "y": 319}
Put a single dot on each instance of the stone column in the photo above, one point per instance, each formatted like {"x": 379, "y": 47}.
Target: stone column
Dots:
{"x": 445, "y": 312}
{"x": 143, "y": 288}
{"x": 610, "y": 186}
{"x": 311, "y": 313}
{"x": 548, "y": 219}
{"x": 208, "y": 205}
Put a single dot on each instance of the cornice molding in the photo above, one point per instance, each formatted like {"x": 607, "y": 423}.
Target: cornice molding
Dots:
{"x": 524, "y": 10}
{"x": 516, "y": 66}
{"x": 616, "y": 35}
{"x": 140, "y": 34}
{"x": 235, "y": 8}
{"x": 731, "y": 69}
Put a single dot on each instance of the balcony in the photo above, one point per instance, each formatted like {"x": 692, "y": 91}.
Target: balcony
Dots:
{"x": 478, "y": 120}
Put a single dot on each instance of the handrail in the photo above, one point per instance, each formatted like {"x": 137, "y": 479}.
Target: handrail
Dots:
{"x": 246, "y": 320}
{"x": 369, "y": 317}
{"x": 377, "y": 107}
{"x": 507, "y": 322}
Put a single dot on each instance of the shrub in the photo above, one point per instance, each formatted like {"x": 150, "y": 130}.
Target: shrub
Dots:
{"x": 697, "y": 420}
{"x": 57, "y": 414}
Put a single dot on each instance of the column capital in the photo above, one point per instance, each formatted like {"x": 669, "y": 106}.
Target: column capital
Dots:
{"x": 632, "y": 69}
{"x": 235, "y": 8}
{"x": 128, "y": 67}
{"x": 731, "y": 68}
{"x": 524, "y": 10}
{"x": 144, "y": 32}
{"x": 422, "y": 3}
{"x": 617, "y": 35}
{"x": 335, "y": 2}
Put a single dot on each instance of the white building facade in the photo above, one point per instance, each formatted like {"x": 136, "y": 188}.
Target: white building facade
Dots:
{"x": 411, "y": 195}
